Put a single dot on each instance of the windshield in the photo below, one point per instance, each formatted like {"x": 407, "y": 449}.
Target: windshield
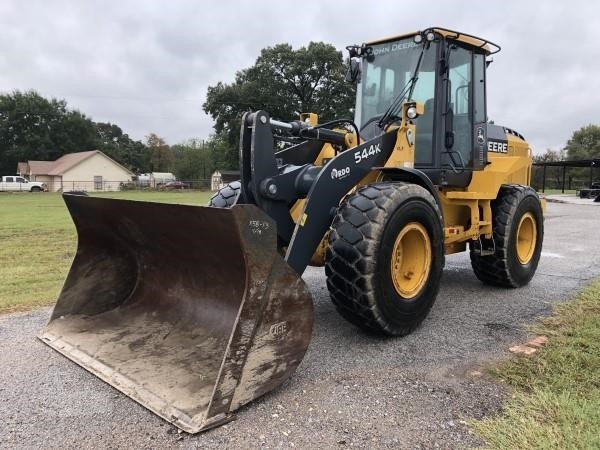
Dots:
{"x": 388, "y": 73}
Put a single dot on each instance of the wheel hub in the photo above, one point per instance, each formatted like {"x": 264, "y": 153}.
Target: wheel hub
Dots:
{"x": 411, "y": 260}
{"x": 526, "y": 238}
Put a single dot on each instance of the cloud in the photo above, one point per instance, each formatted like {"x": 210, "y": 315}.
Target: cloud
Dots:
{"x": 146, "y": 65}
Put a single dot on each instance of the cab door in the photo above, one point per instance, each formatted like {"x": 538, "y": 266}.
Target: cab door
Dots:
{"x": 465, "y": 150}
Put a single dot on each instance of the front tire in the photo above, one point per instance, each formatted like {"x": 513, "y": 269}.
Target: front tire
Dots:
{"x": 518, "y": 228}
{"x": 227, "y": 196}
{"x": 385, "y": 257}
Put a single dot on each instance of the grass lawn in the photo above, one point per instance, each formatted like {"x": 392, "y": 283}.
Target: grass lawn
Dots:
{"x": 556, "y": 400}
{"x": 38, "y": 242}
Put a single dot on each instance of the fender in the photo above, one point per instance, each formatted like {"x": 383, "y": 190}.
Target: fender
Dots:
{"x": 413, "y": 176}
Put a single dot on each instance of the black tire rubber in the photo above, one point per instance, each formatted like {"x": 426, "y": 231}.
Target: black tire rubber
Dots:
{"x": 227, "y": 196}
{"x": 503, "y": 268}
{"x": 36, "y": 189}
{"x": 358, "y": 258}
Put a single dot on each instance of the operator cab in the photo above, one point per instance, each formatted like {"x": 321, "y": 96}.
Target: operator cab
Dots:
{"x": 444, "y": 70}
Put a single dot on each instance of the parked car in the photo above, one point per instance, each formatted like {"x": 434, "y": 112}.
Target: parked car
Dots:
{"x": 176, "y": 185}
{"x": 16, "y": 184}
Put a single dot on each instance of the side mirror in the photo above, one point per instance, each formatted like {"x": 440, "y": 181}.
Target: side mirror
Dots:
{"x": 353, "y": 73}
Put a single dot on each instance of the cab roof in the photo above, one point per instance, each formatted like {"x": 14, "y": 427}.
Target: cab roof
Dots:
{"x": 473, "y": 41}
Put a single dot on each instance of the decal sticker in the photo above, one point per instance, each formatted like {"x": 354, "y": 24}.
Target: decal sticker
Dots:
{"x": 366, "y": 153}
{"x": 338, "y": 174}
{"x": 395, "y": 47}
{"x": 497, "y": 146}
{"x": 480, "y": 136}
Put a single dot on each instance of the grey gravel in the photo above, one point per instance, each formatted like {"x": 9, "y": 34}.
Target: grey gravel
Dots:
{"x": 351, "y": 390}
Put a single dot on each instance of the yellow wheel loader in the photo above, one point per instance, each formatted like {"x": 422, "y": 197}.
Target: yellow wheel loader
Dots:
{"x": 194, "y": 321}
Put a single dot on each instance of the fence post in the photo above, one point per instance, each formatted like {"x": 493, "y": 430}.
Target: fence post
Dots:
{"x": 544, "y": 180}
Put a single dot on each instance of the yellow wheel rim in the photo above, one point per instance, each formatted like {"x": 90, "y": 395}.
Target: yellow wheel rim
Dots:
{"x": 411, "y": 260}
{"x": 526, "y": 238}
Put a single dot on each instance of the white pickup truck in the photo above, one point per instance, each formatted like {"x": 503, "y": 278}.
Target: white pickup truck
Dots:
{"x": 15, "y": 184}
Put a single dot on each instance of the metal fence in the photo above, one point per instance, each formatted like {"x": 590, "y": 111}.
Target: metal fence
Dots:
{"x": 565, "y": 175}
{"x": 106, "y": 185}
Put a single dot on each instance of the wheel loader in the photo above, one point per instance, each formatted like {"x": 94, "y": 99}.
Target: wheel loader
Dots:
{"x": 196, "y": 320}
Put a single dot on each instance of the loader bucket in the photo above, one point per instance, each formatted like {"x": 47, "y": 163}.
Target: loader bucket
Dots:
{"x": 188, "y": 310}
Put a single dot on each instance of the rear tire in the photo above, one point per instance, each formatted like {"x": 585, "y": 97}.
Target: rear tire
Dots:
{"x": 227, "y": 196}
{"x": 518, "y": 227}
{"x": 385, "y": 257}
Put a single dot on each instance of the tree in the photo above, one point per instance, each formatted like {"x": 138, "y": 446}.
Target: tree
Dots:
{"x": 284, "y": 82}
{"x": 553, "y": 174}
{"x": 585, "y": 143}
{"x": 223, "y": 154}
{"x": 161, "y": 156}
{"x": 34, "y": 128}
{"x": 192, "y": 160}
{"x": 118, "y": 145}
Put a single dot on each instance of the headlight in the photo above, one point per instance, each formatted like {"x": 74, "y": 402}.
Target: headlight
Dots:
{"x": 411, "y": 112}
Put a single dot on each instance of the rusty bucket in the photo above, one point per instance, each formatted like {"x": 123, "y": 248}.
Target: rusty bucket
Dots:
{"x": 188, "y": 310}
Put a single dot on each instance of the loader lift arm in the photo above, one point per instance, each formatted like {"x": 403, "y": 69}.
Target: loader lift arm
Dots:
{"x": 274, "y": 187}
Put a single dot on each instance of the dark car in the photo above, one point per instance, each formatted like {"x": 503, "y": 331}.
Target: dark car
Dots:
{"x": 176, "y": 185}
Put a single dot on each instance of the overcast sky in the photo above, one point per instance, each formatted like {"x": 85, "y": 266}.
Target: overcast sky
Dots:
{"x": 146, "y": 65}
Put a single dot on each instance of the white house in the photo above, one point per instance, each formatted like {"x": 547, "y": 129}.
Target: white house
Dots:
{"x": 82, "y": 171}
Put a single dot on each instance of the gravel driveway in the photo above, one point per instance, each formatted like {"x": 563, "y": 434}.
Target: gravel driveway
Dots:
{"x": 351, "y": 390}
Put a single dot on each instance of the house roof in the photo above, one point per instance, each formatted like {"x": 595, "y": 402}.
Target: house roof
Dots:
{"x": 65, "y": 163}
{"x": 40, "y": 167}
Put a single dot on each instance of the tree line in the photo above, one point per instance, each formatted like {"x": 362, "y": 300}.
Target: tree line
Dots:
{"x": 584, "y": 144}
{"x": 283, "y": 81}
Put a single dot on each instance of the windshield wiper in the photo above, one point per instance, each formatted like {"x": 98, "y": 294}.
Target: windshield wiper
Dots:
{"x": 391, "y": 114}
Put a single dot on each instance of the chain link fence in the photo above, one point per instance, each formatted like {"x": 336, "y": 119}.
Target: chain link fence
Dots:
{"x": 108, "y": 186}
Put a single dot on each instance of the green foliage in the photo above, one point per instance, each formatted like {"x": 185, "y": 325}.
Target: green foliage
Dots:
{"x": 553, "y": 174}
{"x": 119, "y": 146}
{"x": 192, "y": 160}
{"x": 283, "y": 82}
{"x": 556, "y": 402}
{"x": 161, "y": 157}
{"x": 550, "y": 156}
{"x": 223, "y": 154}
{"x": 585, "y": 143}
{"x": 34, "y": 128}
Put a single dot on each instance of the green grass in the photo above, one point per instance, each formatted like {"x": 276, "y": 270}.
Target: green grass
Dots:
{"x": 38, "y": 242}
{"x": 556, "y": 399}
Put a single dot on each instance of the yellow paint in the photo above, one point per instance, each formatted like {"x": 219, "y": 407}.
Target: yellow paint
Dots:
{"x": 473, "y": 205}
{"x": 526, "y": 238}
{"x": 472, "y": 41}
{"x": 411, "y": 260}
{"x": 403, "y": 154}
{"x": 303, "y": 219}
{"x": 311, "y": 119}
